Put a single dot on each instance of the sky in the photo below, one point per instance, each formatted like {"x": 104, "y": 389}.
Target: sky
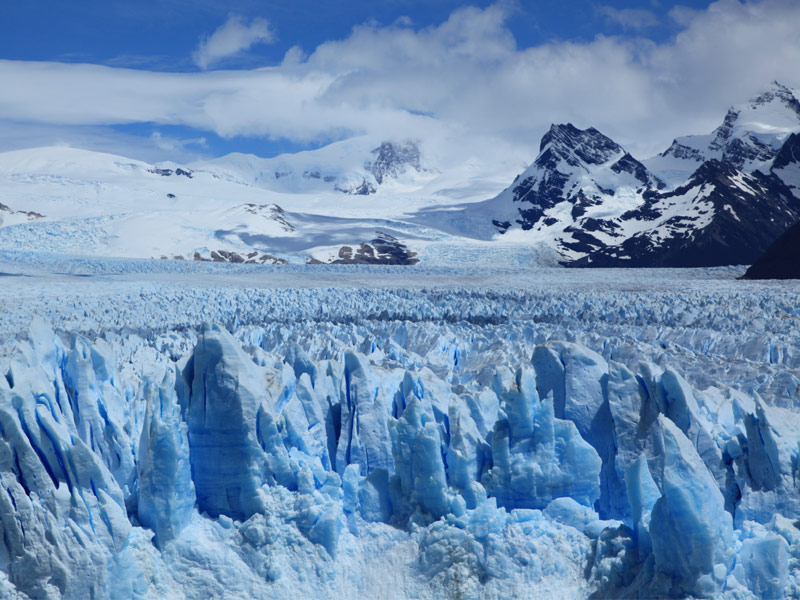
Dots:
{"x": 180, "y": 79}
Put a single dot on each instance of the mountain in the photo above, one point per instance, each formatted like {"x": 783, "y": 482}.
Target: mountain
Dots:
{"x": 393, "y": 160}
{"x": 781, "y": 260}
{"x": 721, "y": 216}
{"x": 354, "y": 166}
{"x": 579, "y": 178}
{"x": 596, "y": 205}
{"x": 786, "y": 164}
{"x": 749, "y": 137}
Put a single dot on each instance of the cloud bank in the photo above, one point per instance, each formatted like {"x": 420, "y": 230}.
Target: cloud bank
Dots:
{"x": 464, "y": 77}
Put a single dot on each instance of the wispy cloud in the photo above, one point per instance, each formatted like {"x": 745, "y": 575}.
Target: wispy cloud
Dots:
{"x": 173, "y": 144}
{"x": 150, "y": 62}
{"x": 234, "y": 36}
{"x": 637, "y": 19}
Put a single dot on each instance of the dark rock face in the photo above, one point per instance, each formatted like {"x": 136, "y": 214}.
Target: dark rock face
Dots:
{"x": 393, "y": 159}
{"x": 682, "y": 151}
{"x": 577, "y": 146}
{"x": 628, "y": 164}
{"x": 170, "y": 172}
{"x": 384, "y": 249}
{"x": 781, "y": 260}
{"x": 749, "y": 148}
{"x": 226, "y": 256}
{"x": 31, "y": 215}
{"x": 723, "y": 133}
{"x": 365, "y": 188}
{"x": 789, "y": 154}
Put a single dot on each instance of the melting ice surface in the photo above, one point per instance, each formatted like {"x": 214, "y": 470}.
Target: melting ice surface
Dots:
{"x": 550, "y": 433}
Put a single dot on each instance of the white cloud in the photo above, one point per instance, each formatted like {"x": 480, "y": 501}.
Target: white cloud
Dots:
{"x": 17, "y": 136}
{"x": 172, "y": 144}
{"x": 233, "y": 37}
{"x": 628, "y": 18}
{"x": 464, "y": 78}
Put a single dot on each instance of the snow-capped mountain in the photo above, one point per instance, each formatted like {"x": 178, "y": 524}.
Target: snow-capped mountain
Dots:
{"x": 356, "y": 166}
{"x": 720, "y": 216}
{"x": 749, "y": 137}
{"x": 580, "y": 177}
{"x": 596, "y": 205}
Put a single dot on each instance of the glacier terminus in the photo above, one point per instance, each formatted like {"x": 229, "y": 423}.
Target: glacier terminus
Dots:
{"x": 229, "y": 433}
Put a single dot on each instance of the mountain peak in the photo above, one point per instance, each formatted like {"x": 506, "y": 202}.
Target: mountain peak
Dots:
{"x": 585, "y": 145}
{"x": 780, "y": 92}
{"x": 393, "y": 159}
{"x": 713, "y": 169}
{"x": 749, "y": 137}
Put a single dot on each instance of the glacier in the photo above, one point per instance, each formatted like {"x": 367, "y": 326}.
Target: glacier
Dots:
{"x": 270, "y": 432}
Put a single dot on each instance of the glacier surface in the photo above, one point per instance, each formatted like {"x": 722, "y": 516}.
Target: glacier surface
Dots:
{"x": 342, "y": 432}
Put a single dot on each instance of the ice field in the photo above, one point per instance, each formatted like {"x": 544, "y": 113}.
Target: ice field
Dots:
{"x": 190, "y": 430}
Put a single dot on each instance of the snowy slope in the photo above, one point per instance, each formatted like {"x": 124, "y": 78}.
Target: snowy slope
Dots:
{"x": 71, "y": 201}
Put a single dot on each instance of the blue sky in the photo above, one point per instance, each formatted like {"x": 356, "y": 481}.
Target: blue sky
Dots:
{"x": 162, "y": 35}
{"x": 181, "y": 79}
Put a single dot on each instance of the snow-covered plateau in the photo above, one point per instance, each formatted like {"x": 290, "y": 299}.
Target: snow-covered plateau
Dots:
{"x": 175, "y": 429}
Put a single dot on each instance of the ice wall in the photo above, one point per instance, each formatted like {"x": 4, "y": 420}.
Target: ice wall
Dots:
{"x": 381, "y": 460}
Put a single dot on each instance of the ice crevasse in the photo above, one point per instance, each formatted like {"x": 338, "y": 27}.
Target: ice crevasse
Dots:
{"x": 235, "y": 469}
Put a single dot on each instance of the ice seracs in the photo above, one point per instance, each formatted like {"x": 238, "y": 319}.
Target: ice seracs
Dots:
{"x": 285, "y": 453}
